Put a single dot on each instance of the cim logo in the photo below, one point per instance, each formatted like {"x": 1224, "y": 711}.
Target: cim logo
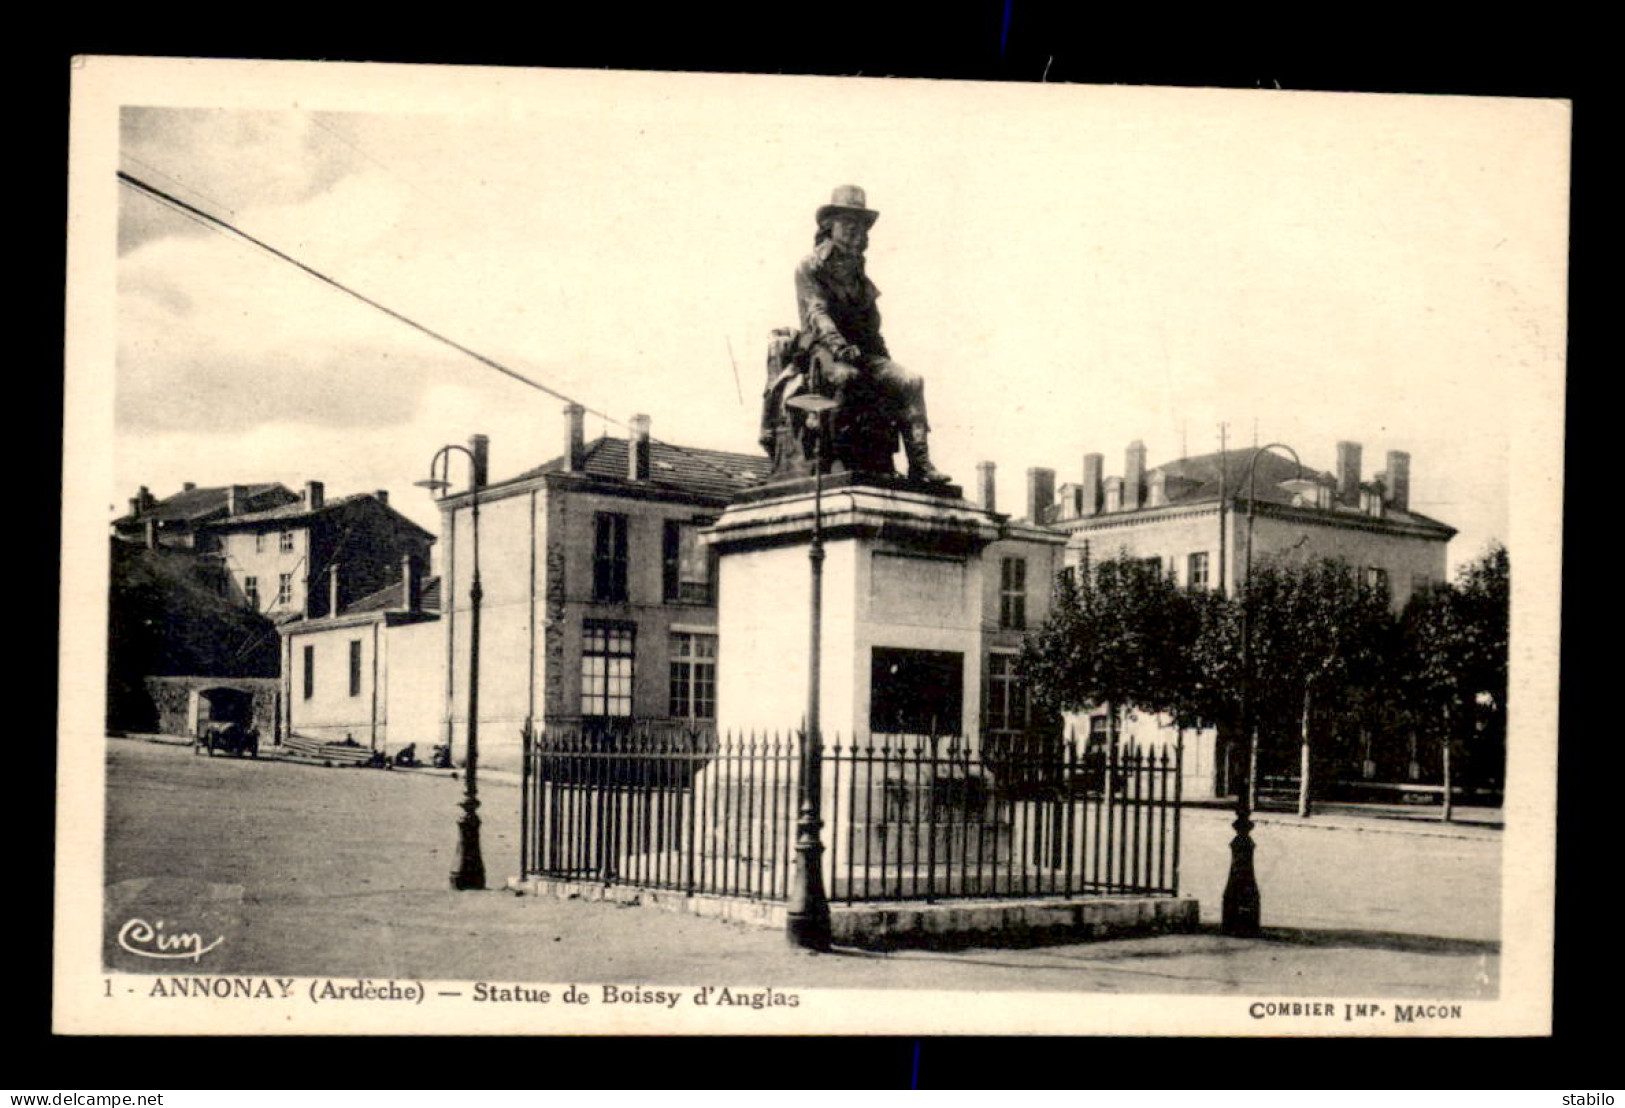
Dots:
{"x": 155, "y": 924}
{"x": 158, "y": 940}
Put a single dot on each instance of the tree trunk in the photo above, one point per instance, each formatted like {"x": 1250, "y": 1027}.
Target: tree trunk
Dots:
{"x": 1449, "y": 809}
{"x": 1252, "y": 767}
{"x": 1303, "y": 761}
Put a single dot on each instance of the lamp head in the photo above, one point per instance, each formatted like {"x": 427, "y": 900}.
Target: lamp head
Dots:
{"x": 811, "y": 403}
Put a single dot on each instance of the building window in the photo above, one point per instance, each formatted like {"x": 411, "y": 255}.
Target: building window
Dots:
{"x": 685, "y": 564}
{"x": 259, "y": 542}
{"x": 310, "y": 672}
{"x": 251, "y": 592}
{"x": 693, "y": 676}
{"x": 1376, "y": 579}
{"x": 1196, "y": 570}
{"x": 606, "y": 668}
{"x": 609, "y": 557}
{"x": 1100, "y": 731}
{"x": 284, "y": 589}
{"x": 355, "y": 667}
{"x": 1013, "y": 594}
{"x": 1006, "y": 695}
{"x": 285, "y": 542}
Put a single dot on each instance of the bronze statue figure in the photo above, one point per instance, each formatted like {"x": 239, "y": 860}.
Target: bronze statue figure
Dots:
{"x": 839, "y": 352}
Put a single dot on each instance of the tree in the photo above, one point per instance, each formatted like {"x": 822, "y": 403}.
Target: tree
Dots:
{"x": 1319, "y": 640}
{"x": 1455, "y": 655}
{"x": 164, "y": 620}
{"x": 1485, "y": 586}
{"x": 1122, "y": 634}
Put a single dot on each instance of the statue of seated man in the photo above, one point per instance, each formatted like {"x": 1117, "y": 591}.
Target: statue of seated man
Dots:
{"x": 838, "y": 314}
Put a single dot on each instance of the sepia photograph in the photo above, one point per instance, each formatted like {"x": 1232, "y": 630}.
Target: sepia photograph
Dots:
{"x": 553, "y": 551}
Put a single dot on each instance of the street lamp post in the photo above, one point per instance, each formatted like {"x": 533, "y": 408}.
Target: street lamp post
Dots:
{"x": 1241, "y": 911}
{"x": 807, "y": 923}
{"x": 470, "y": 871}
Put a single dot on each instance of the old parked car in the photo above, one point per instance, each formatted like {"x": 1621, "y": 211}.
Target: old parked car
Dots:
{"x": 234, "y": 737}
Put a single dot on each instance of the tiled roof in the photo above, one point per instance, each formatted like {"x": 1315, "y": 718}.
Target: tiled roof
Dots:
{"x": 386, "y": 599}
{"x": 1198, "y": 479}
{"x": 391, "y": 599}
{"x": 717, "y": 474}
{"x": 195, "y": 504}
{"x": 1204, "y": 470}
{"x": 298, "y": 510}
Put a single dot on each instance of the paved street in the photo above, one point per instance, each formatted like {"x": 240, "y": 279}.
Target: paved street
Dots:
{"x": 343, "y": 872}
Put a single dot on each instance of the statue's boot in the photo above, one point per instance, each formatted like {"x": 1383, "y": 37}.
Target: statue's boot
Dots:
{"x": 919, "y": 457}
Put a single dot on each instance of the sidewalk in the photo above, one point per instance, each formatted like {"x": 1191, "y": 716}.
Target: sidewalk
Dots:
{"x": 1392, "y": 819}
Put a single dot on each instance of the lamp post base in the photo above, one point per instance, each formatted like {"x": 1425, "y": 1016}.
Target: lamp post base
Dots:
{"x": 1241, "y": 910}
{"x": 806, "y": 918}
{"x": 470, "y": 871}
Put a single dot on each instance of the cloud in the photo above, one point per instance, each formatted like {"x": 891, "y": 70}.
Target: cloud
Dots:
{"x": 225, "y": 162}
{"x": 363, "y": 387}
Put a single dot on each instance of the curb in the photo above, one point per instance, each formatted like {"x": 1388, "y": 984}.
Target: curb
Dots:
{"x": 1373, "y": 825}
{"x": 892, "y": 925}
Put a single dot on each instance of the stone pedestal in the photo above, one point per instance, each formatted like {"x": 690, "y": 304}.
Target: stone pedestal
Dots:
{"x": 902, "y": 608}
{"x": 901, "y": 654}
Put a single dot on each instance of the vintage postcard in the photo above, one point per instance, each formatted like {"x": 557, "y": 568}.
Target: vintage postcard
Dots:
{"x": 521, "y": 575}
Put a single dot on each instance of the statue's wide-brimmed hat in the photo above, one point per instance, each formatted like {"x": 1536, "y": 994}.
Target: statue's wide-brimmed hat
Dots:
{"x": 848, "y": 200}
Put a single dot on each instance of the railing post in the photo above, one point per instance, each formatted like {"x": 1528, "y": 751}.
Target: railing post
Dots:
{"x": 526, "y": 801}
{"x": 1179, "y": 790}
{"x": 930, "y": 787}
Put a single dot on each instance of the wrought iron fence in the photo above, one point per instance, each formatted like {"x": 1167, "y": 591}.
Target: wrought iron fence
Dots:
{"x": 906, "y": 817}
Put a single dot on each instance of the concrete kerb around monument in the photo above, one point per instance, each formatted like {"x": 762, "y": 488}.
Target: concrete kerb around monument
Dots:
{"x": 885, "y": 925}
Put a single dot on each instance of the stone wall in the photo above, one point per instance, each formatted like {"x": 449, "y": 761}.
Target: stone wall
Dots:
{"x": 173, "y": 697}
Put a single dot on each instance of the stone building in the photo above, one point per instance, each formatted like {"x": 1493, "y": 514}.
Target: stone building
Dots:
{"x": 358, "y": 672}
{"x": 1190, "y": 516}
{"x": 272, "y": 550}
{"x": 281, "y": 561}
{"x": 600, "y": 599}
{"x": 180, "y": 521}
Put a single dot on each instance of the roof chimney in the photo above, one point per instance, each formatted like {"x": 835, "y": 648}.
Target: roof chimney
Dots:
{"x": 1399, "y": 480}
{"x": 480, "y": 447}
{"x": 315, "y": 496}
{"x": 1348, "y": 473}
{"x": 148, "y": 501}
{"x": 382, "y": 496}
{"x": 1114, "y": 494}
{"x": 637, "y": 450}
{"x": 1093, "y": 466}
{"x": 575, "y": 438}
{"x": 1040, "y": 493}
{"x": 984, "y": 484}
{"x": 188, "y": 486}
{"x": 1156, "y": 489}
{"x": 1133, "y": 475}
{"x": 236, "y": 500}
{"x": 1070, "y": 501}
{"x": 410, "y": 600}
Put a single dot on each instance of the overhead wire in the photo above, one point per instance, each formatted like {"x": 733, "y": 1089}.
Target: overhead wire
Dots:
{"x": 216, "y": 223}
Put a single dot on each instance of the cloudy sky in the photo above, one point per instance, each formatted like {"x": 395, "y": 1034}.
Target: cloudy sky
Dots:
{"x": 1071, "y": 268}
